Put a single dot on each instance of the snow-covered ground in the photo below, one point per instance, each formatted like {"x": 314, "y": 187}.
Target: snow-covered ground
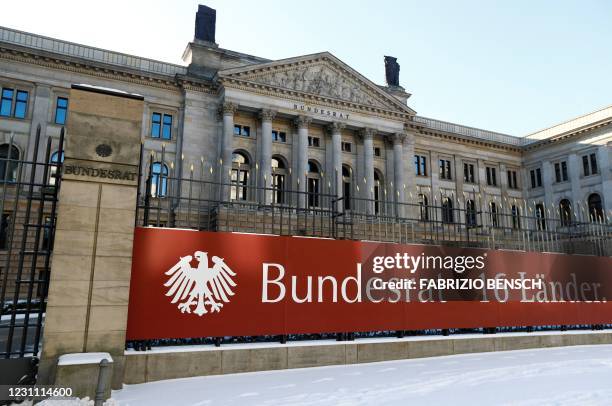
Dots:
{"x": 580, "y": 375}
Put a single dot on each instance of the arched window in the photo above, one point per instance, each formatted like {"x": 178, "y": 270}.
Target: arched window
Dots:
{"x": 565, "y": 212}
{"x": 516, "y": 217}
{"x": 8, "y": 163}
{"x": 240, "y": 176}
{"x": 347, "y": 177}
{"x": 595, "y": 207}
{"x": 314, "y": 184}
{"x": 55, "y": 161}
{"x": 423, "y": 206}
{"x": 279, "y": 180}
{"x": 540, "y": 214}
{"x": 493, "y": 214}
{"x": 159, "y": 179}
{"x": 447, "y": 210}
{"x": 470, "y": 213}
{"x": 378, "y": 198}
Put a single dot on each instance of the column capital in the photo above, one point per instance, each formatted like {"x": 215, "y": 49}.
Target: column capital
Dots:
{"x": 302, "y": 121}
{"x": 397, "y": 138}
{"x": 266, "y": 114}
{"x": 367, "y": 133}
{"x": 228, "y": 108}
{"x": 335, "y": 127}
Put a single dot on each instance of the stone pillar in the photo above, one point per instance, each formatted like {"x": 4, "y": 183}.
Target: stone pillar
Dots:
{"x": 398, "y": 172}
{"x": 227, "y": 149}
{"x": 265, "y": 153}
{"x": 92, "y": 257}
{"x": 302, "y": 122}
{"x": 39, "y": 103}
{"x": 368, "y": 164}
{"x": 335, "y": 130}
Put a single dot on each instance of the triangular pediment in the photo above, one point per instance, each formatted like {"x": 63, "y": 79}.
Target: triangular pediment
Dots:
{"x": 321, "y": 75}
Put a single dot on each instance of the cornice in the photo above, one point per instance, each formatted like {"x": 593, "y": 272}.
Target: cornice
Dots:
{"x": 72, "y": 65}
{"x": 536, "y": 144}
{"x": 468, "y": 141}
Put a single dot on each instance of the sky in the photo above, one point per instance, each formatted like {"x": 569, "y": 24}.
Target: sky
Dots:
{"x": 509, "y": 66}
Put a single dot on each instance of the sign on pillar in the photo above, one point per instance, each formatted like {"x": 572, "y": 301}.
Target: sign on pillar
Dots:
{"x": 92, "y": 257}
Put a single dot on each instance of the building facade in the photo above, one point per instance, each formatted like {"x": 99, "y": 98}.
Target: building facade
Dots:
{"x": 307, "y": 131}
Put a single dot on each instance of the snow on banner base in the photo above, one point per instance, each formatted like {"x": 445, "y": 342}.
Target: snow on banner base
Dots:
{"x": 268, "y": 285}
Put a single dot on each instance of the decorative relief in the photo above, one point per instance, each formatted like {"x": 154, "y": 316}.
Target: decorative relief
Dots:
{"x": 104, "y": 150}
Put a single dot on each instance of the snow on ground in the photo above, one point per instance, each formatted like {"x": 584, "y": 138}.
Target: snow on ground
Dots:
{"x": 580, "y": 375}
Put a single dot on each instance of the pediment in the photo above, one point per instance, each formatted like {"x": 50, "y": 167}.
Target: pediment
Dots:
{"x": 320, "y": 74}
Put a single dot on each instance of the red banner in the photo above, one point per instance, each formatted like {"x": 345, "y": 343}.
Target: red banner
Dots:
{"x": 205, "y": 284}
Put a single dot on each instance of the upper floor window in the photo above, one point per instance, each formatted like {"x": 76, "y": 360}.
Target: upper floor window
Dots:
{"x": 346, "y": 146}
{"x": 279, "y": 136}
{"x": 161, "y": 126}
{"x": 561, "y": 171}
{"x": 14, "y": 103}
{"x": 420, "y": 165}
{"x": 314, "y": 141}
{"x": 589, "y": 164}
{"x": 512, "y": 180}
{"x": 491, "y": 176}
{"x": 61, "y": 110}
{"x": 377, "y": 151}
{"x": 445, "y": 169}
{"x": 242, "y": 130}
{"x": 468, "y": 173}
{"x": 536, "y": 178}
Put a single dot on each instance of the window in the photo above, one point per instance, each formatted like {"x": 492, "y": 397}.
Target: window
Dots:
{"x": 55, "y": 160}
{"x": 424, "y": 209}
{"x": 279, "y": 173}
{"x": 18, "y": 107}
{"x": 161, "y": 126}
{"x": 4, "y": 226}
{"x": 377, "y": 151}
{"x": 493, "y": 214}
{"x": 589, "y": 164}
{"x": 512, "y": 180}
{"x": 159, "y": 179}
{"x": 468, "y": 173}
{"x": 8, "y": 163}
{"x": 470, "y": 213}
{"x": 242, "y": 130}
{"x": 445, "y": 169}
{"x": 595, "y": 207}
{"x": 516, "y": 217}
{"x": 346, "y": 146}
{"x": 240, "y": 176}
{"x": 565, "y": 212}
{"x": 47, "y": 240}
{"x": 536, "y": 178}
{"x": 61, "y": 110}
{"x": 346, "y": 186}
{"x": 447, "y": 210}
{"x": 491, "y": 176}
{"x": 313, "y": 184}
{"x": 561, "y": 171}
{"x": 314, "y": 142}
{"x": 377, "y": 191}
{"x": 420, "y": 164}
{"x": 279, "y": 136}
{"x": 540, "y": 216}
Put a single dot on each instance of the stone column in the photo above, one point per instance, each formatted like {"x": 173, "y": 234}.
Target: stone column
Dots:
{"x": 398, "y": 172}
{"x": 367, "y": 134}
{"x": 227, "y": 149}
{"x": 302, "y": 123}
{"x": 335, "y": 130}
{"x": 90, "y": 272}
{"x": 265, "y": 153}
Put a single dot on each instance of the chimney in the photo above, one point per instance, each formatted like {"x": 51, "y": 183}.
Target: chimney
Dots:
{"x": 206, "y": 18}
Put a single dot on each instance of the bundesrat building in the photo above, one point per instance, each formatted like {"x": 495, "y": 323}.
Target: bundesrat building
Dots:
{"x": 311, "y": 133}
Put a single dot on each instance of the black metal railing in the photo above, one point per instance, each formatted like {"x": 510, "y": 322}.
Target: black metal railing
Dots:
{"x": 28, "y": 202}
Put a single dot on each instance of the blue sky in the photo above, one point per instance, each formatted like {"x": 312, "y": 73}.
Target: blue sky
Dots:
{"x": 507, "y": 66}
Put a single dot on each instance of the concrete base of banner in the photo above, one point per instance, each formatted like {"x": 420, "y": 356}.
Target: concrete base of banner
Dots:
{"x": 188, "y": 361}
